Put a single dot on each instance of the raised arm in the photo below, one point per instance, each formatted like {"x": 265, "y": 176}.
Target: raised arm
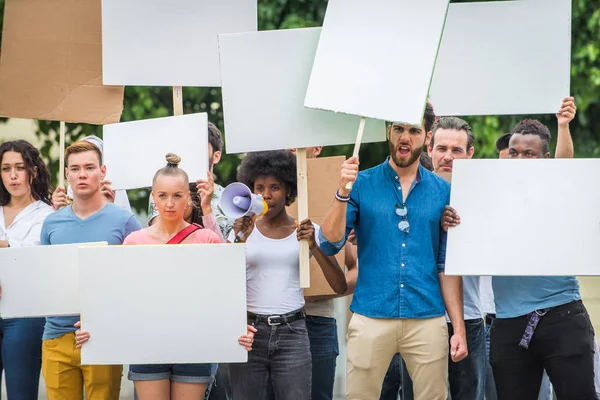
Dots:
{"x": 334, "y": 224}
{"x": 564, "y": 141}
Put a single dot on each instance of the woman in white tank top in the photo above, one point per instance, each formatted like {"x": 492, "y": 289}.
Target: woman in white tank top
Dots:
{"x": 281, "y": 352}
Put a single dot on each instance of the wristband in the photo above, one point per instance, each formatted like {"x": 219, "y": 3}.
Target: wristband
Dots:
{"x": 339, "y": 197}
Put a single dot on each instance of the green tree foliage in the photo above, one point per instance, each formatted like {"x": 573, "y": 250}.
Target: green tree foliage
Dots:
{"x": 146, "y": 102}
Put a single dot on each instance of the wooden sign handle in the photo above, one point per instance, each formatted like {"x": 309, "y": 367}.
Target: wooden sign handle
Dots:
{"x": 177, "y": 100}
{"x": 302, "y": 215}
{"x": 61, "y": 156}
{"x": 359, "y": 136}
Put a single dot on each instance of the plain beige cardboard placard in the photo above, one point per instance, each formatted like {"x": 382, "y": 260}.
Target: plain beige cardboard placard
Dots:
{"x": 486, "y": 57}
{"x": 323, "y": 180}
{"x": 525, "y": 218}
{"x": 40, "y": 281}
{"x": 265, "y": 75}
{"x": 171, "y": 296}
{"x": 51, "y": 64}
{"x": 376, "y": 58}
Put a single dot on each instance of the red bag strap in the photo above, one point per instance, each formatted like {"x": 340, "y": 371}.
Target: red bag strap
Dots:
{"x": 185, "y": 232}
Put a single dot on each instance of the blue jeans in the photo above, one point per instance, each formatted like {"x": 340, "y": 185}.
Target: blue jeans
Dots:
{"x": 324, "y": 349}
{"x": 21, "y": 347}
{"x": 467, "y": 377}
{"x": 397, "y": 381}
{"x": 281, "y": 353}
{"x": 221, "y": 389}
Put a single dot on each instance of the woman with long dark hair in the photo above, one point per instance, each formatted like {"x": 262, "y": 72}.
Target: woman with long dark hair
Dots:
{"x": 24, "y": 205}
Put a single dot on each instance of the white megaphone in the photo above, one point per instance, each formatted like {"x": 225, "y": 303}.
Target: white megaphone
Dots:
{"x": 237, "y": 200}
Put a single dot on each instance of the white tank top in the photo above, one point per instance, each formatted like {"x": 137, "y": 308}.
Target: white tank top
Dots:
{"x": 272, "y": 274}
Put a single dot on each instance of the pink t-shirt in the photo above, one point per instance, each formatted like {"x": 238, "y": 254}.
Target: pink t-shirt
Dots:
{"x": 199, "y": 237}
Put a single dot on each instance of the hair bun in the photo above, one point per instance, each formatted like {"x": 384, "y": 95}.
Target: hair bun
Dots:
{"x": 173, "y": 160}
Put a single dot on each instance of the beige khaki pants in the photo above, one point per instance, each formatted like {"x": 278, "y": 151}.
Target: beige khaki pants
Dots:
{"x": 422, "y": 343}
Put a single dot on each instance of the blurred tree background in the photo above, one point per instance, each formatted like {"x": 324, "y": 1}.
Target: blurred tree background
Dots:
{"x": 150, "y": 102}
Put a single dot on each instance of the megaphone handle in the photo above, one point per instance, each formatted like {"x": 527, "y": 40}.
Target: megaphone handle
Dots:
{"x": 238, "y": 237}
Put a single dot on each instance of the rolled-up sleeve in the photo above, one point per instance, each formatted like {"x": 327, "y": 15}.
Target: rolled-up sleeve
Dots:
{"x": 441, "y": 259}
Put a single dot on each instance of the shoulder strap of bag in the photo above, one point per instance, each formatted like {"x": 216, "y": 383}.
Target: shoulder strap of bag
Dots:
{"x": 184, "y": 233}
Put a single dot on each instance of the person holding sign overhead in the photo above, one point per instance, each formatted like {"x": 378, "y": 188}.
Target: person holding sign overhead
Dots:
{"x": 170, "y": 191}
{"x": 24, "y": 205}
{"x": 275, "y": 300}
{"x": 541, "y": 322}
{"x": 90, "y": 218}
{"x": 402, "y": 291}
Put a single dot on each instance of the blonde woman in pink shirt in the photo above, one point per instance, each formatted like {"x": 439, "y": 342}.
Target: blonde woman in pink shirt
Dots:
{"x": 171, "y": 194}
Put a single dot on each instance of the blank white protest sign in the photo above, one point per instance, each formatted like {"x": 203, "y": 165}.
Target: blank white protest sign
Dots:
{"x": 134, "y": 151}
{"x": 265, "y": 75}
{"x": 185, "y": 303}
{"x": 525, "y": 217}
{"x": 169, "y": 43}
{"x": 375, "y": 58}
{"x": 504, "y": 57}
{"x": 40, "y": 281}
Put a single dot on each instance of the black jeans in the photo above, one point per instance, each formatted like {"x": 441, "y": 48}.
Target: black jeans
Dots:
{"x": 281, "y": 353}
{"x": 563, "y": 345}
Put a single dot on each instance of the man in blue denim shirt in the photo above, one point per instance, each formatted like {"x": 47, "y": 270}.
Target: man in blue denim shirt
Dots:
{"x": 395, "y": 210}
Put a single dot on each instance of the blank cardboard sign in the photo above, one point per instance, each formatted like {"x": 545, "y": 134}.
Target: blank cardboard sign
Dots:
{"x": 265, "y": 75}
{"x": 323, "y": 175}
{"x": 525, "y": 217}
{"x": 169, "y": 43}
{"x": 376, "y": 58}
{"x": 504, "y": 57}
{"x": 134, "y": 151}
{"x": 40, "y": 281}
{"x": 51, "y": 64}
{"x": 171, "y": 295}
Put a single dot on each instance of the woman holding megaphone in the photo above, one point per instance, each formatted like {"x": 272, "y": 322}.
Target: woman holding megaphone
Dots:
{"x": 281, "y": 349}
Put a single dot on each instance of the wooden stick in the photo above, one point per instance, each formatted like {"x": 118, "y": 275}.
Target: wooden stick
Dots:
{"x": 61, "y": 156}
{"x": 359, "y": 136}
{"x": 177, "y": 100}
{"x": 302, "y": 215}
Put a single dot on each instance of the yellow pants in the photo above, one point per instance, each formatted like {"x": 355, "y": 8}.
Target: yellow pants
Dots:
{"x": 65, "y": 377}
{"x": 372, "y": 343}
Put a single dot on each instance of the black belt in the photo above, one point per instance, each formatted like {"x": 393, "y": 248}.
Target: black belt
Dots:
{"x": 274, "y": 320}
{"x": 489, "y": 318}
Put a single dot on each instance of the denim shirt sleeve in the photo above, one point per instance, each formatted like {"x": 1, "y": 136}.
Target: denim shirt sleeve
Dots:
{"x": 441, "y": 259}
{"x": 332, "y": 248}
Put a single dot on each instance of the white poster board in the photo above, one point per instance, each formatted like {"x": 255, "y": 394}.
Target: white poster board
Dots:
{"x": 188, "y": 299}
{"x": 134, "y": 151}
{"x": 169, "y": 43}
{"x": 265, "y": 75}
{"x": 375, "y": 58}
{"x": 40, "y": 281}
{"x": 504, "y": 57}
{"x": 525, "y": 217}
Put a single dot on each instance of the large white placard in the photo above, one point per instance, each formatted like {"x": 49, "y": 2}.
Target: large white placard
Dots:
{"x": 134, "y": 151}
{"x": 169, "y": 43}
{"x": 525, "y": 217}
{"x": 39, "y": 281}
{"x": 183, "y": 304}
{"x": 265, "y": 75}
{"x": 504, "y": 57}
{"x": 376, "y": 58}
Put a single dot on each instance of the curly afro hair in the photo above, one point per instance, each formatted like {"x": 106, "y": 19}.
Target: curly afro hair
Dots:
{"x": 280, "y": 164}
{"x": 534, "y": 127}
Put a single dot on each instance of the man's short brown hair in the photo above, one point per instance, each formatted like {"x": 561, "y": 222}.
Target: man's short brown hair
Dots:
{"x": 81, "y": 147}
